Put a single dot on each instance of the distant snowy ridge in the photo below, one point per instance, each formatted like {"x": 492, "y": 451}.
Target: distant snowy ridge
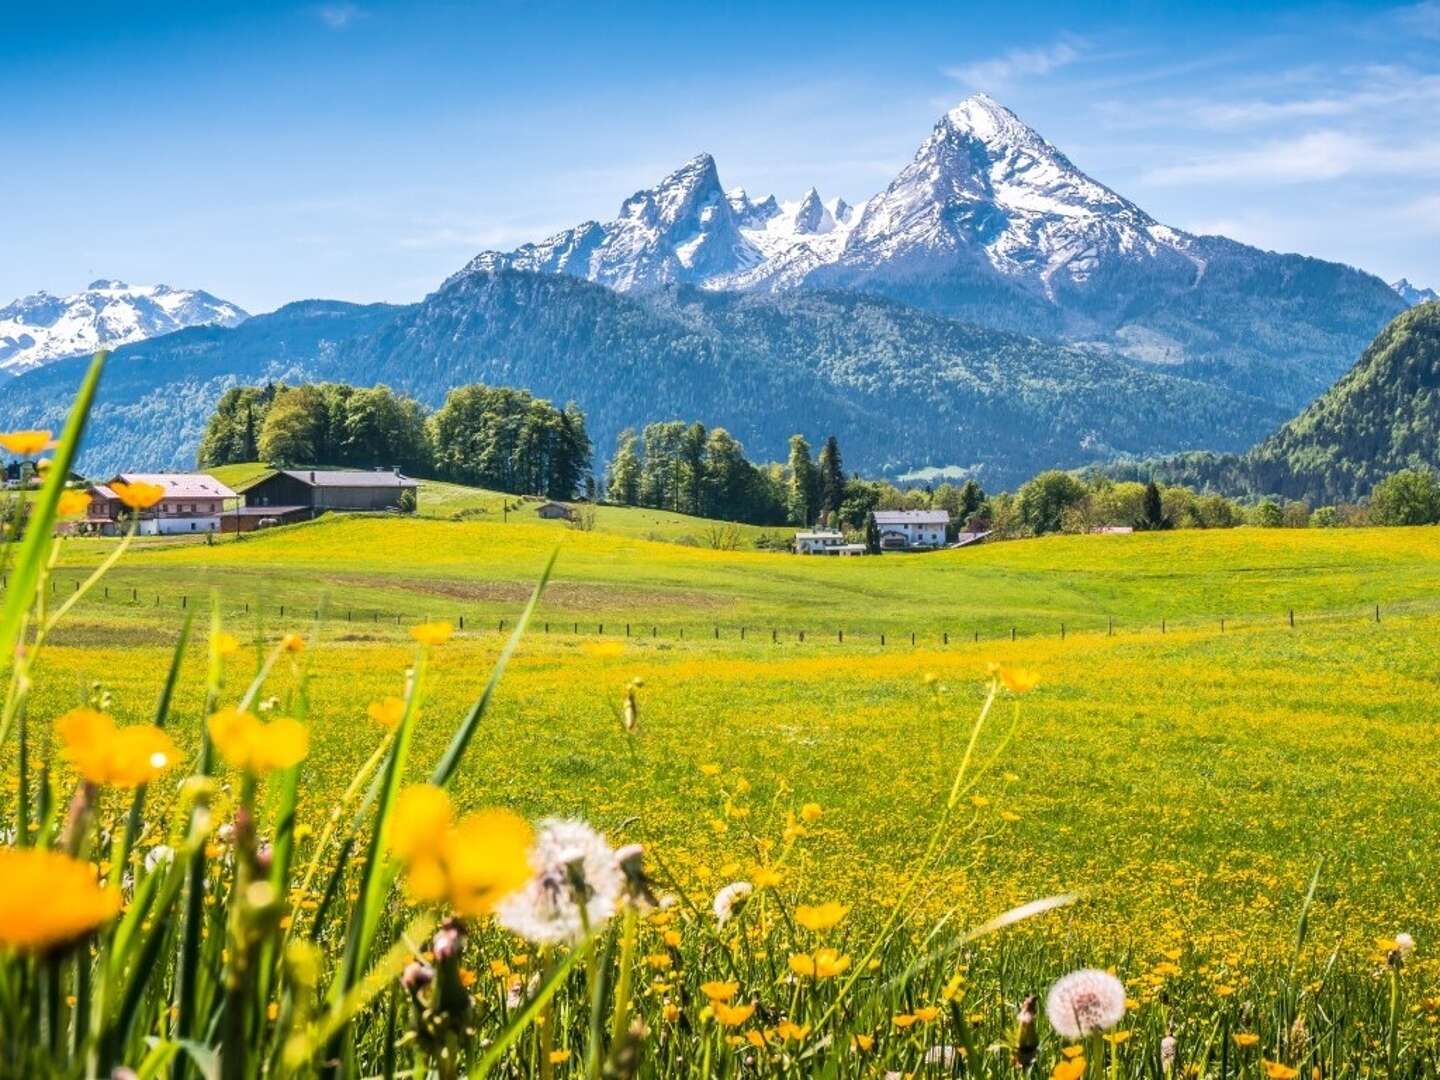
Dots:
{"x": 1413, "y": 294}
{"x": 35, "y": 330}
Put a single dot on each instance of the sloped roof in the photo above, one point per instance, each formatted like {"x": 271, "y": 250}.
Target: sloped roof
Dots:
{"x": 176, "y": 485}
{"x": 912, "y": 517}
{"x": 350, "y": 478}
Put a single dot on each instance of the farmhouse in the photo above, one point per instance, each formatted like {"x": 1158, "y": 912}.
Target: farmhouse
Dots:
{"x": 902, "y": 530}
{"x": 555, "y": 511}
{"x": 319, "y": 490}
{"x": 824, "y": 542}
{"x": 192, "y": 503}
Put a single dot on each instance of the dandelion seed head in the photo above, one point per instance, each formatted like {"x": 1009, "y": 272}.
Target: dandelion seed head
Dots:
{"x": 1085, "y": 1002}
{"x": 730, "y": 899}
{"x": 576, "y": 884}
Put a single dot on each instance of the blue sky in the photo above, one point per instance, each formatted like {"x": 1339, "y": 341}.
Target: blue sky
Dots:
{"x": 270, "y": 152}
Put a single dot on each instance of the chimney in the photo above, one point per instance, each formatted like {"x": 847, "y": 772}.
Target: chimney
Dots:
{"x": 312, "y": 476}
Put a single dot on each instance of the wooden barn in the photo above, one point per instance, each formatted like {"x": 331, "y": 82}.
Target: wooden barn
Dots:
{"x": 319, "y": 490}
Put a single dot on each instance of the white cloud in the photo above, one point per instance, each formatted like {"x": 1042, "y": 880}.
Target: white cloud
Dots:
{"x": 1006, "y": 68}
{"x": 338, "y": 16}
{"x": 1422, "y": 19}
{"x": 1316, "y": 156}
{"x": 1424, "y": 213}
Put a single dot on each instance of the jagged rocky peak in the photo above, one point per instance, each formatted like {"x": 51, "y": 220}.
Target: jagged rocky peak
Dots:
{"x": 812, "y": 215}
{"x": 1413, "y": 294}
{"x": 694, "y": 185}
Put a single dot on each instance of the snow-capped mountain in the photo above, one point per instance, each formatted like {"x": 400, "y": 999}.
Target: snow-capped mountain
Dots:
{"x": 37, "y": 329}
{"x": 991, "y": 223}
{"x": 688, "y": 230}
{"x": 983, "y": 186}
{"x": 1413, "y": 294}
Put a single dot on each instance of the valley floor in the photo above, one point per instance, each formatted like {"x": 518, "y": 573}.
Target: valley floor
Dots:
{"x": 1187, "y": 779}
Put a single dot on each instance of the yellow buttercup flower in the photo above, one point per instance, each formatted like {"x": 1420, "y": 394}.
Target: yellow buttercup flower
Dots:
{"x": 903, "y": 1020}
{"x": 1072, "y": 1069}
{"x": 790, "y": 1030}
{"x": 292, "y": 643}
{"x": 474, "y": 863}
{"x": 863, "y": 1043}
{"x": 245, "y": 742}
{"x": 811, "y": 812}
{"x": 73, "y": 902}
{"x": 719, "y": 991}
{"x": 226, "y": 644}
{"x": 1016, "y": 680}
{"x": 927, "y": 1013}
{"x": 820, "y": 916}
{"x": 387, "y": 712}
{"x": 1246, "y": 1039}
{"x": 72, "y": 503}
{"x": 102, "y": 753}
{"x": 731, "y": 1015}
{"x": 765, "y": 877}
{"x": 139, "y": 495}
{"x": 432, "y": 633}
{"x": 1274, "y": 1070}
{"x": 25, "y": 443}
{"x": 823, "y": 964}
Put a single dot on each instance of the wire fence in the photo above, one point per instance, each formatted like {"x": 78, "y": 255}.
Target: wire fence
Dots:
{"x": 996, "y": 627}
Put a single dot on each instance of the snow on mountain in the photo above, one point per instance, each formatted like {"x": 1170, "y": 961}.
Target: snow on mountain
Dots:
{"x": 983, "y": 186}
{"x": 37, "y": 329}
{"x": 1413, "y": 294}
{"x": 682, "y": 230}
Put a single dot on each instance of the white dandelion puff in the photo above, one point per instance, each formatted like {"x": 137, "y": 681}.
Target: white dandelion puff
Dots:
{"x": 574, "y": 890}
{"x": 160, "y": 854}
{"x": 730, "y": 899}
{"x": 1085, "y": 1002}
{"x": 1404, "y": 944}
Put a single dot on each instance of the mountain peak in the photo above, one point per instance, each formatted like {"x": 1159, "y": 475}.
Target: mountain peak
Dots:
{"x": 37, "y": 329}
{"x": 1413, "y": 294}
{"x": 984, "y": 118}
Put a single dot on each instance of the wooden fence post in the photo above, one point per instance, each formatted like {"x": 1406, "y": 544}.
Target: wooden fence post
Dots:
{"x": 1377, "y": 612}
{"x": 945, "y": 638}
{"x": 1292, "y": 618}
{"x": 1012, "y": 633}
{"x": 882, "y": 637}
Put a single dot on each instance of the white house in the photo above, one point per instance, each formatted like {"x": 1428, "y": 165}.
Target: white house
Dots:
{"x": 825, "y": 542}
{"x": 192, "y": 503}
{"x": 907, "y": 529}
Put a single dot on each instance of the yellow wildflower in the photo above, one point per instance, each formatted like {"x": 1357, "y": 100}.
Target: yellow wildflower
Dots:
{"x": 247, "y": 743}
{"x": 292, "y": 643}
{"x": 1274, "y": 1070}
{"x": 1016, "y": 680}
{"x": 432, "y": 633}
{"x": 473, "y": 863}
{"x": 719, "y": 991}
{"x": 1246, "y": 1039}
{"x": 1070, "y": 1069}
{"x": 787, "y": 1029}
{"x": 820, "y": 916}
{"x": 25, "y": 443}
{"x": 226, "y": 644}
{"x": 72, "y": 503}
{"x": 387, "y": 712}
{"x": 731, "y": 1015}
{"x": 74, "y": 903}
{"x": 810, "y": 812}
{"x": 139, "y": 495}
{"x": 102, "y": 753}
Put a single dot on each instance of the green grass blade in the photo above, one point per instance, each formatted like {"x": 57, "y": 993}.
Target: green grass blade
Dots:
{"x": 450, "y": 760}
{"x": 40, "y": 531}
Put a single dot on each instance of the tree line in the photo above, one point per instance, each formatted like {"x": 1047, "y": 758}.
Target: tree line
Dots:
{"x": 493, "y": 437}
